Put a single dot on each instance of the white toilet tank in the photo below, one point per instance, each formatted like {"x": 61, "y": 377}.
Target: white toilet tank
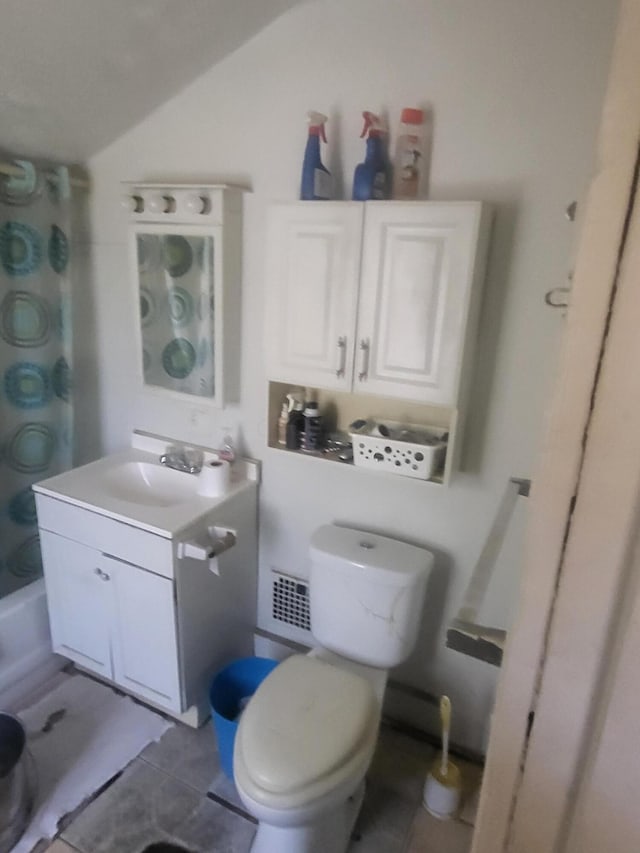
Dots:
{"x": 366, "y": 593}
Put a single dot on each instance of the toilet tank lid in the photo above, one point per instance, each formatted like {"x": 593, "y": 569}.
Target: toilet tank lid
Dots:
{"x": 391, "y": 559}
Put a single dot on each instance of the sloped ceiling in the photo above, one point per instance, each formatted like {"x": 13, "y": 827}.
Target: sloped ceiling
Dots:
{"x": 75, "y": 74}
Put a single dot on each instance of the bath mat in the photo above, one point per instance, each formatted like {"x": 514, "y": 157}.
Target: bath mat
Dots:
{"x": 80, "y": 735}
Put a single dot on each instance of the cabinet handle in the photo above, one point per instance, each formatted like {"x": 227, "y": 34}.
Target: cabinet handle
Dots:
{"x": 342, "y": 355}
{"x": 364, "y": 365}
{"x": 102, "y": 575}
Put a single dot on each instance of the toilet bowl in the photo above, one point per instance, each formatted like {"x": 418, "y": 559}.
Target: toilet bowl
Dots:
{"x": 307, "y": 736}
{"x": 303, "y": 780}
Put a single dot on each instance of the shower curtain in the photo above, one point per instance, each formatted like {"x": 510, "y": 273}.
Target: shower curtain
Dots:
{"x": 35, "y": 358}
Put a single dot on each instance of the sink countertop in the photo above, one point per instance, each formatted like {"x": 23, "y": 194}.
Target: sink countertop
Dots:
{"x": 83, "y": 487}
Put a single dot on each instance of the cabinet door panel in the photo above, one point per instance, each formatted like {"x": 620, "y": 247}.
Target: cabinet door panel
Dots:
{"x": 145, "y": 654}
{"x": 78, "y": 601}
{"x": 415, "y": 293}
{"x": 313, "y": 260}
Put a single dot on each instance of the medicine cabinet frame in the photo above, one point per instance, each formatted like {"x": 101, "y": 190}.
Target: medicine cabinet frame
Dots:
{"x": 218, "y": 287}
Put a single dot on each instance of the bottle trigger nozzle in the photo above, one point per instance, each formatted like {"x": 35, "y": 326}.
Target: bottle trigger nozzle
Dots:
{"x": 368, "y": 122}
{"x": 316, "y": 123}
{"x": 373, "y": 124}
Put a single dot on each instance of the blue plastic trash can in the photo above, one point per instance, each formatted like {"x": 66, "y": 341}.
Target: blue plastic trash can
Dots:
{"x": 233, "y": 684}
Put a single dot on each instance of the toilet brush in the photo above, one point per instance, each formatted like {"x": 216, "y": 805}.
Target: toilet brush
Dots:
{"x": 445, "y": 720}
{"x": 441, "y": 796}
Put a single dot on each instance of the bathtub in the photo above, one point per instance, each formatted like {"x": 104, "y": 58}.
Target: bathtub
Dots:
{"x": 26, "y": 659}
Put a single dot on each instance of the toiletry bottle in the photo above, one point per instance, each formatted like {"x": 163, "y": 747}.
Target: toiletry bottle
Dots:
{"x": 227, "y": 452}
{"x": 295, "y": 426}
{"x": 312, "y": 436}
{"x": 371, "y": 178}
{"x": 283, "y": 420}
{"x": 409, "y": 154}
{"x": 316, "y": 179}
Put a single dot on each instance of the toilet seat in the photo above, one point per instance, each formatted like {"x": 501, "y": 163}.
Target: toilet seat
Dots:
{"x": 309, "y": 728}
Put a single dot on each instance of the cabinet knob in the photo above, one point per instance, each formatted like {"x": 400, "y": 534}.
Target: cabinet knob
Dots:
{"x": 364, "y": 365}
{"x": 342, "y": 355}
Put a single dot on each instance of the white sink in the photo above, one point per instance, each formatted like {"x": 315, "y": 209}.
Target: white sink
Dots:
{"x": 132, "y": 486}
{"x": 149, "y": 484}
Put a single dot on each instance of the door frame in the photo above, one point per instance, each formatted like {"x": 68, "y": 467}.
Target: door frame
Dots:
{"x": 537, "y": 740}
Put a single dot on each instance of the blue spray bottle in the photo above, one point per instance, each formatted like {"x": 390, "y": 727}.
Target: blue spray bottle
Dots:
{"x": 316, "y": 179}
{"x": 371, "y": 178}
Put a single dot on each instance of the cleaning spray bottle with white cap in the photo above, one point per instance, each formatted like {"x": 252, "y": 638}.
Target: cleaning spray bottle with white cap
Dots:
{"x": 316, "y": 178}
{"x": 371, "y": 178}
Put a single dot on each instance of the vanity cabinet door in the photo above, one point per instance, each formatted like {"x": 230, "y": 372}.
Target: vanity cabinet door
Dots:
{"x": 78, "y": 601}
{"x": 416, "y": 287}
{"x": 145, "y": 651}
{"x": 313, "y": 262}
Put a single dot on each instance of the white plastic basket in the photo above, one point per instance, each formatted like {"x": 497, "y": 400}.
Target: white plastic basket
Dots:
{"x": 419, "y": 460}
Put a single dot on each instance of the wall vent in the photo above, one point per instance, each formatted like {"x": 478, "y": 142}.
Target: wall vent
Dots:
{"x": 290, "y": 601}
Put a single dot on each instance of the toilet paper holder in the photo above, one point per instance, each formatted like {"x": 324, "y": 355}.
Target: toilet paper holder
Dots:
{"x": 216, "y": 541}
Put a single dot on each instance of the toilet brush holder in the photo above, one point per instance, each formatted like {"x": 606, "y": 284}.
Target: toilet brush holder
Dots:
{"x": 442, "y": 793}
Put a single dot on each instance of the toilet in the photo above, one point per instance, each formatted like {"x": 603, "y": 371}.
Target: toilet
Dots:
{"x": 307, "y": 736}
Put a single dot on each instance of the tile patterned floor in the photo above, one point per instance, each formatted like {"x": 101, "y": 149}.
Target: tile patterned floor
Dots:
{"x": 176, "y": 792}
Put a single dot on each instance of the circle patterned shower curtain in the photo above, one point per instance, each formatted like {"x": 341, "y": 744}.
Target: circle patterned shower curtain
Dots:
{"x": 36, "y": 415}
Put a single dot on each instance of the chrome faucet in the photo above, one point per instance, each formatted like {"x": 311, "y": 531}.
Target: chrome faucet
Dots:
{"x": 182, "y": 458}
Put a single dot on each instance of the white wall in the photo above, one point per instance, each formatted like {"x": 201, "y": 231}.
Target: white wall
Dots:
{"x": 516, "y": 89}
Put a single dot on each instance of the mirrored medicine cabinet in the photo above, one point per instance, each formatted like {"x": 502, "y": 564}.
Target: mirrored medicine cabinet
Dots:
{"x": 185, "y": 259}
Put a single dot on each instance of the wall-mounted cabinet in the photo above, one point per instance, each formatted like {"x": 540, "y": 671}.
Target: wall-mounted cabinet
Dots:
{"x": 377, "y": 298}
{"x": 185, "y": 251}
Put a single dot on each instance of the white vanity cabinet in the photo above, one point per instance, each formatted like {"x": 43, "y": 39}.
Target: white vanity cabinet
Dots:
{"x": 113, "y": 618}
{"x": 134, "y": 593}
{"x": 376, "y": 297}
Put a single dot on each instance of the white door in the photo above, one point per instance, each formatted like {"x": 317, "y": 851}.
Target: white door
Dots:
{"x": 79, "y": 602}
{"x": 313, "y": 265}
{"x": 562, "y": 773}
{"x": 145, "y": 651}
{"x": 420, "y": 282}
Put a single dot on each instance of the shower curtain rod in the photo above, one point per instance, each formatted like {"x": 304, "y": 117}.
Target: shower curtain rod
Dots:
{"x": 13, "y": 171}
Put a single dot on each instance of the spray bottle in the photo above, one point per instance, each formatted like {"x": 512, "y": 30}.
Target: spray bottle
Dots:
{"x": 371, "y": 178}
{"x": 295, "y": 425}
{"x": 316, "y": 179}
